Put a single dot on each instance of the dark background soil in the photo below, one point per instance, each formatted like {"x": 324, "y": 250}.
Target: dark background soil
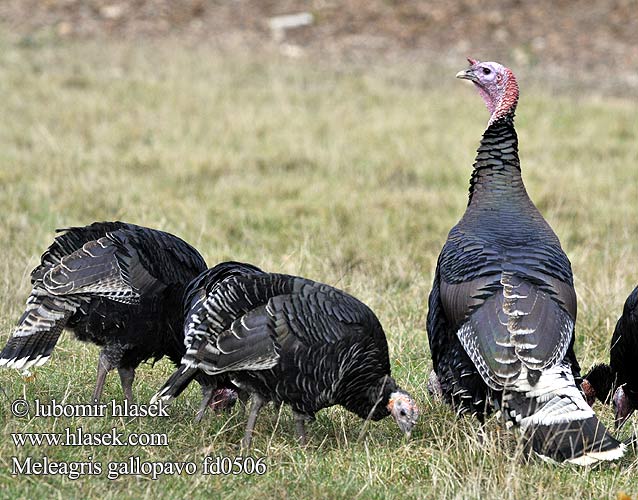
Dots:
{"x": 594, "y": 38}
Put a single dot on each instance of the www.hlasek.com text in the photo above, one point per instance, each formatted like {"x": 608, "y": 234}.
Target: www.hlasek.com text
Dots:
{"x": 78, "y": 437}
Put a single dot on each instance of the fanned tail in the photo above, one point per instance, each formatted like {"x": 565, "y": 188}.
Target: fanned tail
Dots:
{"x": 38, "y": 330}
{"x": 175, "y": 384}
{"x": 556, "y": 421}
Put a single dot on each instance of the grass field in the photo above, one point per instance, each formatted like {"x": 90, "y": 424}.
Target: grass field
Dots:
{"x": 350, "y": 176}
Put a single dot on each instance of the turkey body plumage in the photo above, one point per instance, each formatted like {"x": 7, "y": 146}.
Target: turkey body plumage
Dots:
{"x": 623, "y": 351}
{"x": 285, "y": 339}
{"x": 502, "y": 312}
{"x": 501, "y": 243}
{"x": 114, "y": 284}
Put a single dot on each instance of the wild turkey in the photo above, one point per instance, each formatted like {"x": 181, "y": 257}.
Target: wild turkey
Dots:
{"x": 620, "y": 376}
{"x": 502, "y": 308}
{"x": 114, "y": 284}
{"x": 290, "y": 340}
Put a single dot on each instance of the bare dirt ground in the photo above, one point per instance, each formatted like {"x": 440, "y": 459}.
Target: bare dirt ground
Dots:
{"x": 597, "y": 40}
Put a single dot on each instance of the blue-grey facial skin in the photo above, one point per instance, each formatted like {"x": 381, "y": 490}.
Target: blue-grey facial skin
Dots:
{"x": 404, "y": 411}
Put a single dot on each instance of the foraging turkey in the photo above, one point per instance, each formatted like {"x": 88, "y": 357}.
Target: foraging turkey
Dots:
{"x": 114, "y": 284}
{"x": 289, "y": 340}
{"x": 502, "y": 308}
{"x": 620, "y": 376}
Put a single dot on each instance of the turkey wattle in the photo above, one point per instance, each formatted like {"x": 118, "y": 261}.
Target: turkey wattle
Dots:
{"x": 502, "y": 308}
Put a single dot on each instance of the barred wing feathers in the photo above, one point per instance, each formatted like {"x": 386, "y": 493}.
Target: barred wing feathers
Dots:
{"x": 245, "y": 321}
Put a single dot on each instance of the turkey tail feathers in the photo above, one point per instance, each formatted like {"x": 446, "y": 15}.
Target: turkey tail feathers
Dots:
{"x": 175, "y": 384}
{"x": 556, "y": 421}
{"x": 38, "y": 331}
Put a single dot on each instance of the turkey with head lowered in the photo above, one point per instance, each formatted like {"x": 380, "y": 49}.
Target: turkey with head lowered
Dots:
{"x": 618, "y": 380}
{"x": 113, "y": 284}
{"x": 289, "y": 340}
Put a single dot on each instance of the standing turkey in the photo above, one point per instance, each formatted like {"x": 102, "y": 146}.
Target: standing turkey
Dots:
{"x": 620, "y": 377}
{"x": 116, "y": 285}
{"x": 290, "y": 340}
{"x": 502, "y": 308}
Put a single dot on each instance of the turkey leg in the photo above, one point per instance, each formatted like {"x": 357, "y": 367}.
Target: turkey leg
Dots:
{"x": 103, "y": 368}
{"x": 127, "y": 375}
{"x": 256, "y": 405}
{"x": 300, "y": 427}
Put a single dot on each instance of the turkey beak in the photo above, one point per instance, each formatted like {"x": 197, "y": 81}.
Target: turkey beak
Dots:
{"x": 407, "y": 430}
{"x": 622, "y": 408}
{"x": 467, "y": 74}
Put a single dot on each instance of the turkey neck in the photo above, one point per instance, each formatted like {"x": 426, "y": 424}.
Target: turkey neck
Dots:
{"x": 496, "y": 179}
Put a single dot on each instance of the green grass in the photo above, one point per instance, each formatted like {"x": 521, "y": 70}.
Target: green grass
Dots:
{"x": 350, "y": 176}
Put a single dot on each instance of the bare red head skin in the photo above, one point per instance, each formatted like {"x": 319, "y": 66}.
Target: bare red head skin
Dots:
{"x": 496, "y": 84}
{"x": 589, "y": 392}
{"x": 623, "y": 407}
{"x": 223, "y": 399}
